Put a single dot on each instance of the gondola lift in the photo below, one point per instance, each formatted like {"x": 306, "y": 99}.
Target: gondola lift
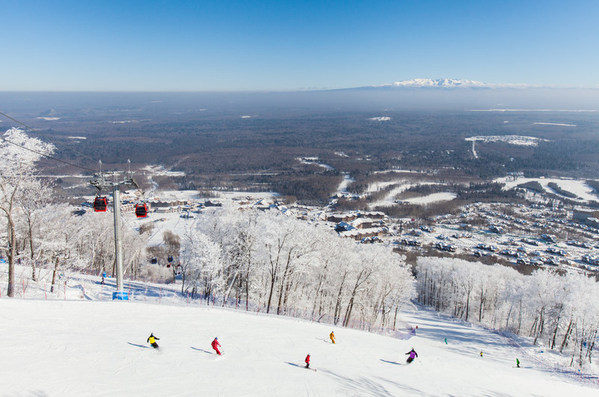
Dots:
{"x": 100, "y": 204}
{"x": 141, "y": 210}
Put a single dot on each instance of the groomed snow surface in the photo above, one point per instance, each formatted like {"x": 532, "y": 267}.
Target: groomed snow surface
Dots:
{"x": 98, "y": 348}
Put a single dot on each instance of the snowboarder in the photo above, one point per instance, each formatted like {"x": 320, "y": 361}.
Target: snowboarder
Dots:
{"x": 332, "y": 336}
{"x": 216, "y": 345}
{"x": 103, "y": 277}
{"x": 307, "y": 360}
{"x": 517, "y": 363}
{"x": 412, "y": 354}
{"x": 445, "y": 340}
{"x": 152, "y": 340}
{"x": 481, "y": 353}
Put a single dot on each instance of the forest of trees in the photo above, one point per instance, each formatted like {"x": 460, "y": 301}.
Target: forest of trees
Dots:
{"x": 215, "y": 148}
{"x": 280, "y": 264}
{"x": 561, "y": 311}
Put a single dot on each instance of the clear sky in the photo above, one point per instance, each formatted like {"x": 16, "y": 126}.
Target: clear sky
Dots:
{"x": 287, "y": 45}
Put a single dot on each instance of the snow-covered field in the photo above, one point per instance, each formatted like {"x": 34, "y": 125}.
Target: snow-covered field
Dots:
{"x": 389, "y": 199}
{"x": 98, "y": 348}
{"x": 510, "y": 139}
{"x": 578, "y": 187}
{"x": 48, "y": 118}
{"x": 347, "y": 180}
{"x": 556, "y": 124}
{"x": 159, "y": 170}
{"x": 431, "y": 198}
{"x": 314, "y": 161}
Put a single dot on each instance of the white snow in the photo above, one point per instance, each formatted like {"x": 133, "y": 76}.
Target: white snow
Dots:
{"x": 181, "y": 220}
{"x": 314, "y": 161}
{"x": 510, "y": 139}
{"x": 398, "y": 171}
{"x": 389, "y": 199}
{"x": 452, "y": 83}
{"x": 474, "y": 152}
{"x": 48, "y": 118}
{"x": 431, "y": 198}
{"x": 376, "y": 186}
{"x": 575, "y": 186}
{"x": 172, "y": 221}
{"x": 171, "y": 195}
{"x": 347, "y": 180}
{"x": 160, "y": 170}
{"x": 556, "y": 124}
{"x": 77, "y": 342}
{"x": 222, "y": 196}
{"x": 446, "y": 83}
{"x": 82, "y": 347}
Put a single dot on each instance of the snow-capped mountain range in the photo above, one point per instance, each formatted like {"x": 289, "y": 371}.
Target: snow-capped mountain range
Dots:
{"x": 438, "y": 83}
{"x": 448, "y": 83}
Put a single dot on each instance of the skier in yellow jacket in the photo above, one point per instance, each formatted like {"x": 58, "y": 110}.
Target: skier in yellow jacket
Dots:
{"x": 152, "y": 340}
{"x": 332, "y": 336}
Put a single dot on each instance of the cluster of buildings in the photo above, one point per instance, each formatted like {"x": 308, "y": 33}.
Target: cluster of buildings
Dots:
{"x": 361, "y": 226}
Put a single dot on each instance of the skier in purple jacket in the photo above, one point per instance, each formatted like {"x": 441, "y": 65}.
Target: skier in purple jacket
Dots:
{"x": 412, "y": 354}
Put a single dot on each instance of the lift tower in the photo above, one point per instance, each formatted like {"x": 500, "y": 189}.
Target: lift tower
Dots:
{"x": 101, "y": 183}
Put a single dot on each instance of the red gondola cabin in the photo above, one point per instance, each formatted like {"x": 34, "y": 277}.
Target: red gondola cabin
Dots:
{"x": 100, "y": 204}
{"x": 141, "y": 210}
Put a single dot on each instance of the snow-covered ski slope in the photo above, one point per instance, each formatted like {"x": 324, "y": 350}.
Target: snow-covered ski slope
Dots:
{"x": 98, "y": 348}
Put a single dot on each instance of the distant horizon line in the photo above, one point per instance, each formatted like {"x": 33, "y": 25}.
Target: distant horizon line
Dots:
{"x": 302, "y": 90}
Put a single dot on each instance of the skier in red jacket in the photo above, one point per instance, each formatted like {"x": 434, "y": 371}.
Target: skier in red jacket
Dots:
{"x": 307, "y": 360}
{"x": 216, "y": 345}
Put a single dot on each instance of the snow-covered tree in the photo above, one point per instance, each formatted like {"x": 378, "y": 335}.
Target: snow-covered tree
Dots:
{"x": 36, "y": 195}
{"x": 201, "y": 265}
{"x": 278, "y": 262}
{"x": 19, "y": 154}
{"x": 557, "y": 309}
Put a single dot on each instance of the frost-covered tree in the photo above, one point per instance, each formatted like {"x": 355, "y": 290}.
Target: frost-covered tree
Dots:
{"x": 559, "y": 310}
{"x": 279, "y": 263}
{"x": 59, "y": 233}
{"x": 36, "y": 194}
{"x": 19, "y": 154}
{"x": 201, "y": 265}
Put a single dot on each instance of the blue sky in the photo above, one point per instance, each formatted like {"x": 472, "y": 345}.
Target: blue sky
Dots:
{"x": 288, "y": 45}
